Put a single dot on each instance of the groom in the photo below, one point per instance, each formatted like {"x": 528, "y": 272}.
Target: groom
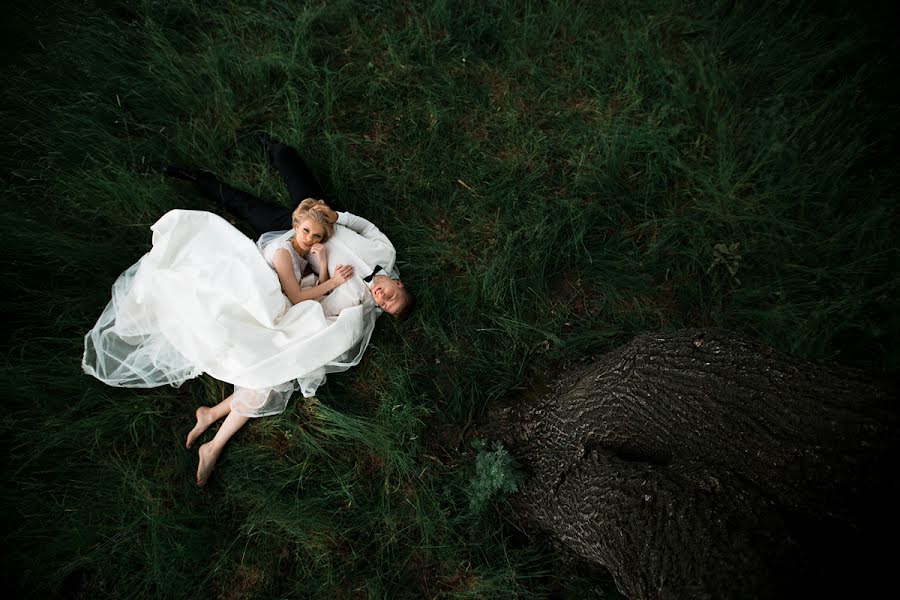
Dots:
{"x": 355, "y": 242}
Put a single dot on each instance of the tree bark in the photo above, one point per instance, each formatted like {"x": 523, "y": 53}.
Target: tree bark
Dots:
{"x": 700, "y": 464}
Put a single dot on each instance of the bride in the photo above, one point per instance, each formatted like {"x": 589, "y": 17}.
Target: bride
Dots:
{"x": 206, "y": 299}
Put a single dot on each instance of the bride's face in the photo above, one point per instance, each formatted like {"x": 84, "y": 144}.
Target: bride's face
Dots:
{"x": 308, "y": 232}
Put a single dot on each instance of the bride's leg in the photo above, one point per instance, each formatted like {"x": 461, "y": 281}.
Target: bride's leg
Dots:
{"x": 210, "y": 451}
{"x": 206, "y": 416}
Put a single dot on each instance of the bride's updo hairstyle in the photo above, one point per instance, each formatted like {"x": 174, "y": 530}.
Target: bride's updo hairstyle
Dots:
{"x": 309, "y": 209}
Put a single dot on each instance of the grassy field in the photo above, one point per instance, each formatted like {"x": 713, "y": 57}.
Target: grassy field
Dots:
{"x": 557, "y": 177}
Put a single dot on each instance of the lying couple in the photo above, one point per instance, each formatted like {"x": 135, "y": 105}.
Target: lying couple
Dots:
{"x": 270, "y": 317}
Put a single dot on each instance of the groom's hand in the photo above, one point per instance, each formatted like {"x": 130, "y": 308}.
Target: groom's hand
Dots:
{"x": 329, "y": 214}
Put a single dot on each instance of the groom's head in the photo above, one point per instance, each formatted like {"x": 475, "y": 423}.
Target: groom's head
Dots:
{"x": 392, "y": 297}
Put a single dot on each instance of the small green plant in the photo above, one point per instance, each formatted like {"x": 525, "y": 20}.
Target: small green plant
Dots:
{"x": 729, "y": 256}
{"x": 497, "y": 475}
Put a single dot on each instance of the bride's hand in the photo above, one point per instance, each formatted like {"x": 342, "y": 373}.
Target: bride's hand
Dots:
{"x": 342, "y": 273}
{"x": 318, "y": 250}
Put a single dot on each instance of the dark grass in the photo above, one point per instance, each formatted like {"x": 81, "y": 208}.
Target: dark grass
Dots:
{"x": 556, "y": 178}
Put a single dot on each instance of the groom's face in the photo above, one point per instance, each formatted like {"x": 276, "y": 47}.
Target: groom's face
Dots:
{"x": 389, "y": 294}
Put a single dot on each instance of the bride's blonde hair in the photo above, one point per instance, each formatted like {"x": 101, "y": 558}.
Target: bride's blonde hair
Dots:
{"x": 309, "y": 209}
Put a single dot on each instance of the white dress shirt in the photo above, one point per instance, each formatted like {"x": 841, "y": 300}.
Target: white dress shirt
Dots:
{"x": 360, "y": 244}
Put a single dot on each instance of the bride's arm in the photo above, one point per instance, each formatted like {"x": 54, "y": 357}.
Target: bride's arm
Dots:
{"x": 291, "y": 287}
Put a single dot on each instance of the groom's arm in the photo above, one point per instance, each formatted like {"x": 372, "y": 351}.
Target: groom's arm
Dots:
{"x": 363, "y": 227}
{"x": 357, "y": 224}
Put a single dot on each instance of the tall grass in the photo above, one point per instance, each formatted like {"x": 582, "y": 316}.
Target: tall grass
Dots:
{"x": 557, "y": 177}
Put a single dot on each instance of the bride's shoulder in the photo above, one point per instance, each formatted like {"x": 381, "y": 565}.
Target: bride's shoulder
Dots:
{"x": 283, "y": 249}
{"x": 274, "y": 239}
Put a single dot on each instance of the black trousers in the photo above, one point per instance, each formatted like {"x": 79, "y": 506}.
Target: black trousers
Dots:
{"x": 261, "y": 215}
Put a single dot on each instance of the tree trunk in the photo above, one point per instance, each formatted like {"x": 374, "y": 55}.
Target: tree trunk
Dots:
{"x": 699, "y": 464}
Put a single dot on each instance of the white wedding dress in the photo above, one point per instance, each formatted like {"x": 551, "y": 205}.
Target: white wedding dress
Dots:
{"x": 205, "y": 300}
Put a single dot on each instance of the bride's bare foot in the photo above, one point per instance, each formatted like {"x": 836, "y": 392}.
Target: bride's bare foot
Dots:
{"x": 204, "y": 420}
{"x": 209, "y": 454}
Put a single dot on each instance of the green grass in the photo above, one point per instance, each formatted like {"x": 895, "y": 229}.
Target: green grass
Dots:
{"x": 556, "y": 178}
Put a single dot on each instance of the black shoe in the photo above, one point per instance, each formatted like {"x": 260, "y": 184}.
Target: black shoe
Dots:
{"x": 182, "y": 173}
{"x": 265, "y": 139}
{"x": 199, "y": 177}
